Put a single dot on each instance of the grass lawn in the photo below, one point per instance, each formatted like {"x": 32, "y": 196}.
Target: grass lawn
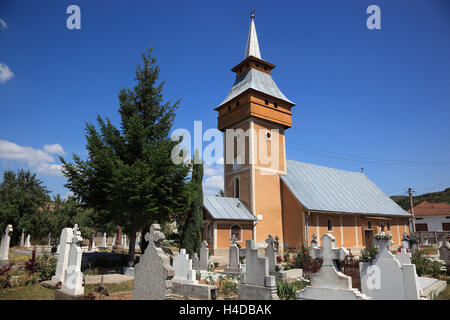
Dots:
{"x": 38, "y": 292}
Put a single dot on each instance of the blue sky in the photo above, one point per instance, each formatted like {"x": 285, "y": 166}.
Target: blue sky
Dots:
{"x": 361, "y": 95}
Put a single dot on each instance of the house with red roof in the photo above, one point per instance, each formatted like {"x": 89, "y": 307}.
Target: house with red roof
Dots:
{"x": 432, "y": 216}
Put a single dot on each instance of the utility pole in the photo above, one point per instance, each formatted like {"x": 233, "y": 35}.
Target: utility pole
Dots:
{"x": 410, "y": 191}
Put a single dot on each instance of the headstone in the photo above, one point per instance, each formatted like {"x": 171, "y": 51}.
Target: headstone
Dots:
{"x": 271, "y": 253}
{"x": 444, "y": 253}
{"x": 4, "y": 246}
{"x": 104, "y": 241}
{"x": 328, "y": 283}
{"x": 183, "y": 268}
{"x": 63, "y": 254}
{"x": 404, "y": 256}
{"x": 27, "y": 242}
{"x": 195, "y": 261}
{"x": 153, "y": 273}
{"x": 234, "y": 265}
{"x": 73, "y": 278}
{"x": 122, "y": 241}
{"x": 49, "y": 239}
{"x": 118, "y": 242}
{"x": 125, "y": 242}
{"x": 388, "y": 279}
{"x": 256, "y": 283}
{"x": 137, "y": 246}
{"x": 204, "y": 256}
{"x": 93, "y": 246}
{"x": 22, "y": 238}
{"x": 405, "y": 241}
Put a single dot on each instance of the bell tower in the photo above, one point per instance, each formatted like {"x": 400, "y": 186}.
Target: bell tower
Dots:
{"x": 253, "y": 116}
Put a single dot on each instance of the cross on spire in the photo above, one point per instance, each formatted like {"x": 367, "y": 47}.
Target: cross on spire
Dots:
{"x": 252, "y": 48}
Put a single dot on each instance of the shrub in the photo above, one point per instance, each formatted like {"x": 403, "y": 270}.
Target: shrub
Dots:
{"x": 425, "y": 265}
{"x": 286, "y": 290}
{"x": 47, "y": 267}
{"x": 228, "y": 287}
{"x": 368, "y": 254}
{"x": 32, "y": 265}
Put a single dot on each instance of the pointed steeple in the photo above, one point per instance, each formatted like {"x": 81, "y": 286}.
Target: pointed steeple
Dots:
{"x": 252, "y": 48}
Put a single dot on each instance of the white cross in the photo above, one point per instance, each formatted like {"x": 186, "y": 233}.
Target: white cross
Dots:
{"x": 328, "y": 252}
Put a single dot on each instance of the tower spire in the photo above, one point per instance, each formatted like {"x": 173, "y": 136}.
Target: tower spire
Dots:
{"x": 252, "y": 48}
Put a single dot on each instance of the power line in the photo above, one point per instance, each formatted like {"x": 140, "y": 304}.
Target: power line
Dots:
{"x": 354, "y": 158}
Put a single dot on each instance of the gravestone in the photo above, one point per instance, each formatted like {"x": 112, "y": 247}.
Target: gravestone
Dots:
{"x": 271, "y": 253}
{"x": 314, "y": 243}
{"x": 27, "y": 242}
{"x": 404, "y": 256}
{"x": 153, "y": 273}
{"x": 125, "y": 242}
{"x": 49, "y": 239}
{"x": 204, "y": 256}
{"x": 444, "y": 253}
{"x": 137, "y": 246}
{"x": 183, "y": 268}
{"x": 122, "y": 241}
{"x": 234, "y": 265}
{"x": 4, "y": 246}
{"x": 195, "y": 261}
{"x": 328, "y": 283}
{"x": 22, "y": 238}
{"x": 104, "y": 245}
{"x": 73, "y": 279}
{"x": 256, "y": 283}
{"x": 405, "y": 241}
{"x": 118, "y": 242}
{"x": 386, "y": 278}
{"x": 63, "y": 254}
{"x": 93, "y": 246}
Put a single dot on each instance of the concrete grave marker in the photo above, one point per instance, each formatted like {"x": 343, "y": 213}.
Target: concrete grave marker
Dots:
{"x": 328, "y": 283}
{"x": 234, "y": 265}
{"x": 63, "y": 254}
{"x": 73, "y": 278}
{"x": 183, "y": 268}
{"x": 153, "y": 273}
{"x": 271, "y": 253}
{"x": 4, "y": 246}
{"x": 256, "y": 283}
{"x": 104, "y": 240}
{"x": 386, "y": 278}
{"x": 22, "y": 238}
{"x": 27, "y": 242}
{"x": 204, "y": 256}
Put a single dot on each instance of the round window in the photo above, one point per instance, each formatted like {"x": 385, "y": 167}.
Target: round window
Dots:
{"x": 268, "y": 135}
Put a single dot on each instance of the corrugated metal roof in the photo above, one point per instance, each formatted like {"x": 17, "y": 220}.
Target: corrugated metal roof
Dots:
{"x": 227, "y": 208}
{"x": 257, "y": 80}
{"x": 320, "y": 188}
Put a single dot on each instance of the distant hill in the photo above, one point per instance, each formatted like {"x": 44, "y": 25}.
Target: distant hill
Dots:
{"x": 440, "y": 196}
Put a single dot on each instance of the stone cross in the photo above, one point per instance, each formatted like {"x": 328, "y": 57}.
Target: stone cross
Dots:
{"x": 73, "y": 278}
{"x": 4, "y": 246}
{"x": 63, "y": 254}
{"x": 153, "y": 274}
{"x": 328, "y": 252}
{"x": 204, "y": 256}
{"x": 271, "y": 252}
{"x": 234, "y": 265}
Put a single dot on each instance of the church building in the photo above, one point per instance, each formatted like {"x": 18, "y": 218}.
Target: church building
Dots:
{"x": 292, "y": 200}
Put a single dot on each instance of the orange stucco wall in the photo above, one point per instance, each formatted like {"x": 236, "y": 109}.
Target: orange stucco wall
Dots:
{"x": 293, "y": 220}
{"x": 224, "y": 233}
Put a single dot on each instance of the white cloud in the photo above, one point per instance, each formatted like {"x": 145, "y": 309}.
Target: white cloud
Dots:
{"x": 3, "y": 25}
{"x": 213, "y": 184}
{"x": 40, "y": 160}
{"x": 5, "y": 73}
{"x": 54, "y": 149}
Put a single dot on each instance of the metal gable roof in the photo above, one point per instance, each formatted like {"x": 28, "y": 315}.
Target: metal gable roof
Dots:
{"x": 257, "y": 80}
{"x": 320, "y": 188}
{"x": 225, "y": 208}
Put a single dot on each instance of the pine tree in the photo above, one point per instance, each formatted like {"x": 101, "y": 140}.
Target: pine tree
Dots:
{"x": 129, "y": 177}
{"x": 192, "y": 234}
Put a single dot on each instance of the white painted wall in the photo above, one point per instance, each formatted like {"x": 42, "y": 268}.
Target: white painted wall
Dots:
{"x": 434, "y": 222}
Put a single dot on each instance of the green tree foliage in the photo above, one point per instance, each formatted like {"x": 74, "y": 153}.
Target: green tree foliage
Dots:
{"x": 22, "y": 199}
{"x": 192, "y": 230}
{"x": 129, "y": 178}
{"x": 440, "y": 196}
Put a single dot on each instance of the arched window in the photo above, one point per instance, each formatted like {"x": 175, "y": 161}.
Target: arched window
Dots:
{"x": 236, "y": 231}
{"x": 236, "y": 187}
{"x": 329, "y": 225}
{"x": 238, "y": 161}
{"x": 369, "y": 224}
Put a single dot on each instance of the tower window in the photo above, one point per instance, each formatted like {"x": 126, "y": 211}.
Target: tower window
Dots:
{"x": 275, "y": 105}
{"x": 265, "y": 68}
{"x": 237, "y": 103}
{"x": 329, "y": 225}
{"x": 240, "y": 70}
{"x": 248, "y": 66}
{"x": 257, "y": 64}
{"x": 266, "y": 101}
{"x": 236, "y": 187}
{"x": 268, "y": 135}
{"x": 229, "y": 108}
